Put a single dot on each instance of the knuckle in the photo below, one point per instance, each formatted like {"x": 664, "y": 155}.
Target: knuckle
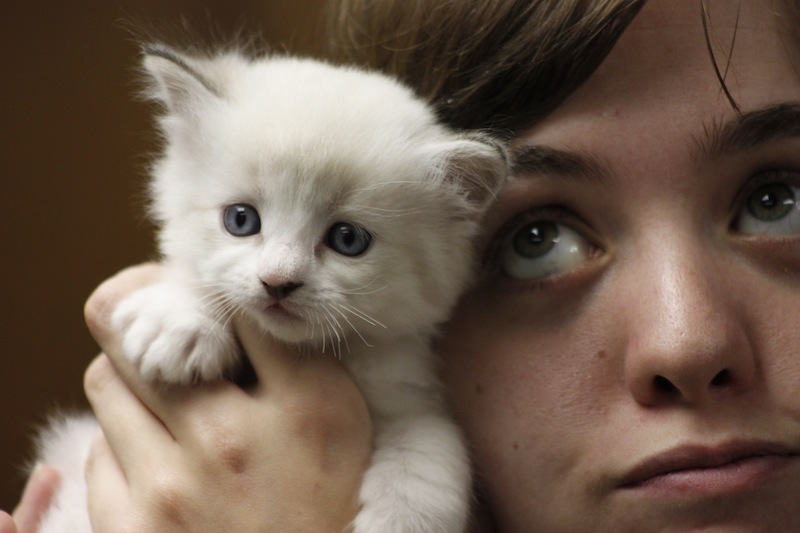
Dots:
{"x": 317, "y": 419}
{"x": 102, "y": 302}
{"x": 97, "y": 376}
{"x": 232, "y": 454}
{"x": 98, "y": 307}
{"x": 226, "y": 444}
{"x": 170, "y": 499}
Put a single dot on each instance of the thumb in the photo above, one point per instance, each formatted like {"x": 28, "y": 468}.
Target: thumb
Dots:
{"x": 102, "y": 302}
{"x": 281, "y": 366}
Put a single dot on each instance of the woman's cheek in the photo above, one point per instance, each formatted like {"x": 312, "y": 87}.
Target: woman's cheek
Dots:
{"x": 533, "y": 393}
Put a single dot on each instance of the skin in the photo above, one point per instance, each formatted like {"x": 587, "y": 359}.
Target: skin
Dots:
{"x": 280, "y": 453}
{"x": 675, "y": 328}
{"x": 35, "y": 500}
{"x": 670, "y": 330}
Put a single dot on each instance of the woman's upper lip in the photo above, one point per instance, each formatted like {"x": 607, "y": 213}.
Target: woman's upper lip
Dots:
{"x": 695, "y": 457}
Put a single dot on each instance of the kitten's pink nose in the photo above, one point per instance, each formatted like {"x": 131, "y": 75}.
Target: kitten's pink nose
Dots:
{"x": 281, "y": 291}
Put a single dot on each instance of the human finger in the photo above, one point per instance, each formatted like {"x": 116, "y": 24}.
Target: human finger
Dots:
{"x": 36, "y": 498}
{"x": 166, "y": 402}
{"x": 282, "y": 368}
{"x": 107, "y": 490}
{"x": 105, "y": 298}
{"x": 129, "y": 425}
{"x": 310, "y": 395}
{"x": 98, "y": 311}
{"x": 7, "y": 523}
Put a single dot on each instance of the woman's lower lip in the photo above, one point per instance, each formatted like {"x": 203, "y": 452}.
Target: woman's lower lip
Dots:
{"x": 737, "y": 476}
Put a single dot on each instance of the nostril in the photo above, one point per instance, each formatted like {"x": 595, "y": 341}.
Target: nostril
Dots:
{"x": 664, "y": 385}
{"x": 722, "y": 378}
{"x": 283, "y": 290}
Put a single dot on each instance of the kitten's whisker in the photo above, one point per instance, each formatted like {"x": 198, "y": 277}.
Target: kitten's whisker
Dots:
{"x": 359, "y": 292}
{"x": 380, "y": 185}
{"x": 336, "y": 308}
{"x": 331, "y": 319}
{"x": 362, "y": 315}
{"x": 387, "y": 213}
{"x": 231, "y": 308}
{"x": 321, "y": 329}
{"x": 357, "y": 313}
{"x": 330, "y": 333}
{"x": 309, "y": 324}
{"x": 338, "y": 326}
{"x": 324, "y": 331}
{"x": 223, "y": 310}
{"x": 213, "y": 298}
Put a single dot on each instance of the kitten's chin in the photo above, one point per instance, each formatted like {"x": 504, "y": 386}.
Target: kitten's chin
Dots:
{"x": 284, "y": 325}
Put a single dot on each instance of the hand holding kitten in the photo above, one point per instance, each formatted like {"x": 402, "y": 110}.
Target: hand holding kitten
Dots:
{"x": 179, "y": 459}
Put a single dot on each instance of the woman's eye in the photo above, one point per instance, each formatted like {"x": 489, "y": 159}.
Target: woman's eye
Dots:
{"x": 543, "y": 248}
{"x": 771, "y": 209}
{"x": 348, "y": 239}
{"x": 241, "y": 220}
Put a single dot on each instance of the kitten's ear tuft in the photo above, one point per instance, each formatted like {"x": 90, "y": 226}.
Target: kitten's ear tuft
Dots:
{"x": 478, "y": 164}
{"x": 176, "y": 79}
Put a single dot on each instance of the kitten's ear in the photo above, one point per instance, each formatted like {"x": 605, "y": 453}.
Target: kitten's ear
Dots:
{"x": 477, "y": 164}
{"x": 177, "y": 81}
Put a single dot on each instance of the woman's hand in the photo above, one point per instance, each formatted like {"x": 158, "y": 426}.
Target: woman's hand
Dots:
{"x": 285, "y": 455}
{"x": 35, "y": 501}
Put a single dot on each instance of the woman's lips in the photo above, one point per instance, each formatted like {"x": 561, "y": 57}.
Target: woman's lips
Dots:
{"x": 697, "y": 470}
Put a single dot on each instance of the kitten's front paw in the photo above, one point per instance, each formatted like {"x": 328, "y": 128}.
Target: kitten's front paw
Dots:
{"x": 166, "y": 335}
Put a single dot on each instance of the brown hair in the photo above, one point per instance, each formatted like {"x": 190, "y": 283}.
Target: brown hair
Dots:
{"x": 492, "y": 64}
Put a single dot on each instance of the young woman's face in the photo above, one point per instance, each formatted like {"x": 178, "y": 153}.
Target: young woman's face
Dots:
{"x": 631, "y": 360}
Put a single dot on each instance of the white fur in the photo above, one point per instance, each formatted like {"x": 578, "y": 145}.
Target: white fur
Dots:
{"x": 65, "y": 445}
{"x": 309, "y": 145}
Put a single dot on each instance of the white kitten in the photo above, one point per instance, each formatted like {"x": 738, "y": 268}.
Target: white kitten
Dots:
{"x": 326, "y": 205}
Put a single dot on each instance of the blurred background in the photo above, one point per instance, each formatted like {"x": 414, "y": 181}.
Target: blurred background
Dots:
{"x": 74, "y": 140}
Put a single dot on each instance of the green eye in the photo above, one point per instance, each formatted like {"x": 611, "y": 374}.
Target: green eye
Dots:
{"x": 771, "y": 209}
{"x": 536, "y": 240}
{"x": 771, "y": 202}
{"x": 542, "y": 248}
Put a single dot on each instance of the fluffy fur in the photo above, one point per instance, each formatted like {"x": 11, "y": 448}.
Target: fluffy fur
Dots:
{"x": 328, "y": 206}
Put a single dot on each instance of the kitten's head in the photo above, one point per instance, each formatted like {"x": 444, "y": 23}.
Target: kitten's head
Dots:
{"x": 325, "y": 203}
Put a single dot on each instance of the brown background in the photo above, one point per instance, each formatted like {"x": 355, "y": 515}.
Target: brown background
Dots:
{"x": 73, "y": 138}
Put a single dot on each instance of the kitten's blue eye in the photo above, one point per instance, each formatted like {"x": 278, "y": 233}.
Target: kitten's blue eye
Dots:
{"x": 543, "y": 248}
{"x": 348, "y": 239}
{"x": 241, "y": 220}
{"x": 772, "y": 209}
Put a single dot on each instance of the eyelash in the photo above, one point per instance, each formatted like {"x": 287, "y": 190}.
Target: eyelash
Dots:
{"x": 764, "y": 177}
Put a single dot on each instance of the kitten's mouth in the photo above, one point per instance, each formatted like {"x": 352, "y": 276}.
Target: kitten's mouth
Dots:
{"x": 279, "y": 309}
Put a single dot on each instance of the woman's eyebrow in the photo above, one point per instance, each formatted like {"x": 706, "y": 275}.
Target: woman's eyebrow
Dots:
{"x": 750, "y": 129}
{"x": 532, "y": 159}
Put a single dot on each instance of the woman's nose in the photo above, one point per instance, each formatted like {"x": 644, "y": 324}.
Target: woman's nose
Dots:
{"x": 687, "y": 342}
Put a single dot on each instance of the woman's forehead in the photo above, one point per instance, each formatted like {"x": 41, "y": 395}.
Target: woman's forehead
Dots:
{"x": 663, "y": 70}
